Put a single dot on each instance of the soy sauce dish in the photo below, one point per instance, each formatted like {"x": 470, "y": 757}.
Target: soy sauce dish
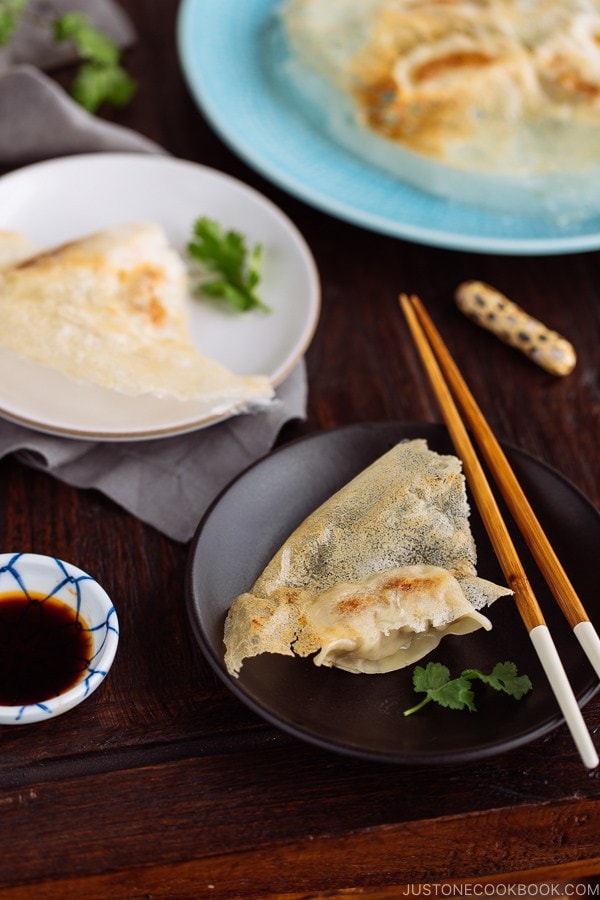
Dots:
{"x": 58, "y": 637}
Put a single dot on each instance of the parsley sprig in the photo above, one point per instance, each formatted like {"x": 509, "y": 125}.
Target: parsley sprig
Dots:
{"x": 100, "y": 77}
{"x": 224, "y": 255}
{"x": 10, "y": 11}
{"x": 455, "y": 693}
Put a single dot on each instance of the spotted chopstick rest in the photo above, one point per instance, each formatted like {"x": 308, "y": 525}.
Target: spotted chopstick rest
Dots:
{"x": 492, "y": 310}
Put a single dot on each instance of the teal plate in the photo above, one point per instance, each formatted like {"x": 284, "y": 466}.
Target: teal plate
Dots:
{"x": 228, "y": 51}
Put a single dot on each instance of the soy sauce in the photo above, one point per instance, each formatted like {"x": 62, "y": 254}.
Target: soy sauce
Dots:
{"x": 45, "y": 648}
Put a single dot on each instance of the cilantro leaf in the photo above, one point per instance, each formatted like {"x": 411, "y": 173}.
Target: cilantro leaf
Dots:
{"x": 434, "y": 677}
{"x": 224, "y": 254}
{"x": 90, "y": 43}
{"x": 435, "y": 682}
{"x": 95, "y": 85}
{"x": 10, "y": 11}
{"x": 503, "y": 677}
{"x": 455, "y": 693}
{"x": 101, "y": 78}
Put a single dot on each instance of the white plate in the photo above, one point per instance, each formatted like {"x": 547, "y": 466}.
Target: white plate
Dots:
{"x": 231, "y": 54}
{"x": 62, "y": 199}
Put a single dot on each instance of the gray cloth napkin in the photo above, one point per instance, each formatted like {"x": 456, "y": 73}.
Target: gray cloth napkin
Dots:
{"x": 168, "y": 482}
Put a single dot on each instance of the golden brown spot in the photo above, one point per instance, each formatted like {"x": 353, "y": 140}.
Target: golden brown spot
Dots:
{"x": 141, "y": 283}
{"x": 400, "y": 583}
{"x": 377, "y": 94}
{"x": 156, "y": 311}
{"x": 445, "y": 65}
{"x": 353, "y": 604}
{"x": 418, "y": 125}
{"x": 139, "y": 275}
{"x": 570, "y": 81}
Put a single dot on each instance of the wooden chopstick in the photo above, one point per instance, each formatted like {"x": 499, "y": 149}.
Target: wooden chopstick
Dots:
{"x": 504, "y": 548}
{"x": 514, "y": 496}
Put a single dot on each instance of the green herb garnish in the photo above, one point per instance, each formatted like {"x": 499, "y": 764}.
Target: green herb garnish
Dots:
{"x": 10, "y": 10}
{"x": 225, "y": 255}
{"x": 455, "y": 693}
{"x": 100, "y": 78}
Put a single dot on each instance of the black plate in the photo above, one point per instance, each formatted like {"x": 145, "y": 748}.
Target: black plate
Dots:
{"x": 361, "y": 715}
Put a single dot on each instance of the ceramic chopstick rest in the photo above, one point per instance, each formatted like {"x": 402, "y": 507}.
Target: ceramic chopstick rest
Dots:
{"x": 492, "y": 310}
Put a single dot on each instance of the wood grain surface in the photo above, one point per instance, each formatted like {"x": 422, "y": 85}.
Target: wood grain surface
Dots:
{"x": 163, "y": 784}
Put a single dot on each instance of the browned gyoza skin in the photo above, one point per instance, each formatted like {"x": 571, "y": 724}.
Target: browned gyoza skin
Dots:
{"x": 460, "y": 96}
{"x": 375, "y": 577}
{"x": 110, "y": 309}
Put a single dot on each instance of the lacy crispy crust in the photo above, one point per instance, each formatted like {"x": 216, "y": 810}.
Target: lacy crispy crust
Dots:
{"x": 374, "y": 578}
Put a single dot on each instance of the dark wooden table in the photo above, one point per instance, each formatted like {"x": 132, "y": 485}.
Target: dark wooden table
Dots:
{"x": 163, "y": 783}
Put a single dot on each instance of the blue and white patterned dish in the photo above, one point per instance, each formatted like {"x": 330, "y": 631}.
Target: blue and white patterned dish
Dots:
{"x": 35, "y": 575}
{"x": 229, "y": 54}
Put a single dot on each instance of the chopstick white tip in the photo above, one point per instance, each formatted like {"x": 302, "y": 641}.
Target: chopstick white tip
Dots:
{"x": 587, "y": 636}
{"x": 553, "y": 667}
{"x": 439, "y": 364}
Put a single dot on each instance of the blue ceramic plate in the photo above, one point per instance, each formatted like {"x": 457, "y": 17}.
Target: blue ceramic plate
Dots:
{"x": 227, "y": 51}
